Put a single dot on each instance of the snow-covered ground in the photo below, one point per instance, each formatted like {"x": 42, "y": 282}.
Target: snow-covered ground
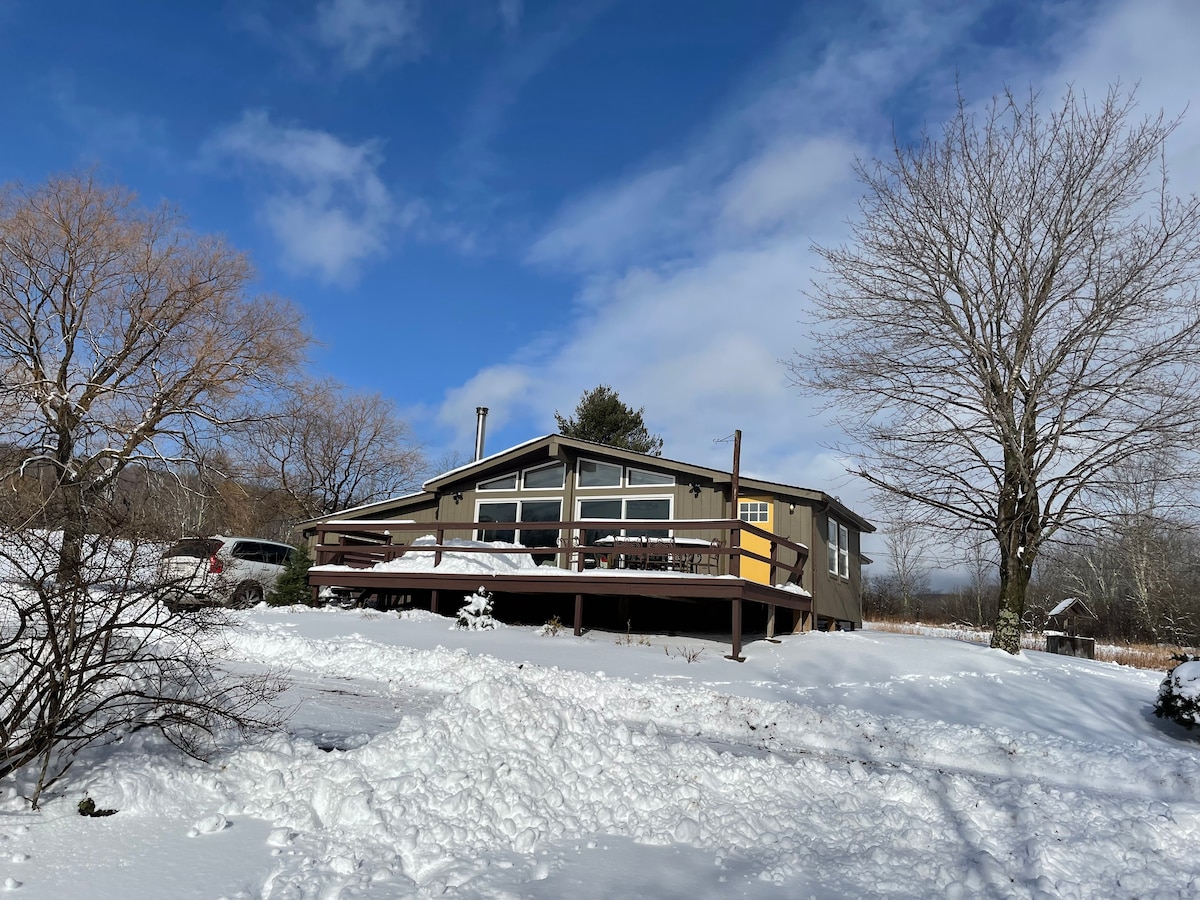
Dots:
{"x": 421, "y": 762}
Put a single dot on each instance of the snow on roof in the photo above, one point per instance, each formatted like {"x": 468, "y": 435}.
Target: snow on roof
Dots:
{"x": 1068, "y": 604}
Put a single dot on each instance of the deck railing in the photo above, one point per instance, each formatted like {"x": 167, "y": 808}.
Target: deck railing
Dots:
{"x": 712, "y": 546}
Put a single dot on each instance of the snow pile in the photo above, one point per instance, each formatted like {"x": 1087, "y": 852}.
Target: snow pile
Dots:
{"x": 466, "y": 563}
{"x": 828, "y": 765}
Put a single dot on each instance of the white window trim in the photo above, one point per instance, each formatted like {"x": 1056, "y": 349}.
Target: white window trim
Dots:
{"x": 559, "y": 499}
{"x": 660, "y": 484}
{"x": 479, "y": 485}
{"x": 624, "y": 499}
{"x": 838, "y": 545}
{"x": 599, "y": 487}
{"x": 557, "y": 464}
{"x": 766, "y": 511}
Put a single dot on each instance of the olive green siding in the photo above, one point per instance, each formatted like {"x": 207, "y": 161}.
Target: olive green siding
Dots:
{"x": 800, "y": 515}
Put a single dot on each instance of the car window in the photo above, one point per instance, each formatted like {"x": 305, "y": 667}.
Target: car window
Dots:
{"x": 275, "y": 554}
{"x": 251, "y": 551}
{"x": 199, "y": 548}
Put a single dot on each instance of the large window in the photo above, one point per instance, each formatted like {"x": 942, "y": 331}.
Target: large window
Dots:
{"x": 639, "y": 477}
{"x": 521, "y": 511}
{"x": 598, "y": 474}
{"x": 838, "y": 543}
{"x": 633, "y": 510}
{"x": 551, "y": 476}
{"x": 503, "y": 483}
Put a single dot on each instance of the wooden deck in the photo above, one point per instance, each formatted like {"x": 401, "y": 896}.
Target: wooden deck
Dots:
{"x": 651, "y": 568}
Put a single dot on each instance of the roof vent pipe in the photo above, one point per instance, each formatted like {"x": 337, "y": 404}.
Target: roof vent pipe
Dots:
{"x": 480, "y": 424}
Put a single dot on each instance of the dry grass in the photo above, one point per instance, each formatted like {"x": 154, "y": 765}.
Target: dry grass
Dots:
{"x": 1139, "y": 656}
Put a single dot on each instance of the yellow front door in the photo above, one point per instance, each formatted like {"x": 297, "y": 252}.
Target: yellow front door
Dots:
{"x": 758, "y": 511}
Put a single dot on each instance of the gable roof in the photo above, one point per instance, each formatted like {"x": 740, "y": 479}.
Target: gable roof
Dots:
{"x": 547, "y": 447}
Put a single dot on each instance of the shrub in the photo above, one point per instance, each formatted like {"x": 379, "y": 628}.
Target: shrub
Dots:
{"x": 292, "y": 587}
{"x": 476, "y": 615}
{"x": 1179, "y": 694}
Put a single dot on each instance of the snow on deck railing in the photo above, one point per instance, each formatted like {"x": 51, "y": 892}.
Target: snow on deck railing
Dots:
{"x": 368, "y": 543}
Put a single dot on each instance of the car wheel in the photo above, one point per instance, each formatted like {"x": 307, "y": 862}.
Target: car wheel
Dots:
{"x": 248, "y": 594}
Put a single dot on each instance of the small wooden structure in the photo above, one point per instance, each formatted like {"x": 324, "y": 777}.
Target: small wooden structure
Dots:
{"x": 1065, "y": 639}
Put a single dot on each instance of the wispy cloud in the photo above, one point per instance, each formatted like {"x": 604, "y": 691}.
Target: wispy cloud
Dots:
{"x": 694, "y": 268}
{"x": 322, "y": 198}
{"x": 541, "y": 41}
{"x": 362, "y": 32}
{"x": 510, "y": 15}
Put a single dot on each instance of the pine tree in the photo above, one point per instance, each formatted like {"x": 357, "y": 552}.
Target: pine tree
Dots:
{"x": 602, "y": 417}
{"x": 292, "y": 588}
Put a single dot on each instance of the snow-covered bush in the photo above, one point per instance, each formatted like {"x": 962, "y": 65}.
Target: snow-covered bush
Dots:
{"x": 476, "y": 615}
{"x": 1179, "y": 694}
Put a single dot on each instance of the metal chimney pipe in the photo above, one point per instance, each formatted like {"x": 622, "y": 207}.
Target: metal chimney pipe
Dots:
{"x": 480, "y": 425}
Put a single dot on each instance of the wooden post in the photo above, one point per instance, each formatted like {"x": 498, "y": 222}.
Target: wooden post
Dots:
{"x": 433, "y": 599}
{"x": 771, "y": 623}
{"x": 774, "y": 563}
{"x": 735, "y": 537}
{"x": 735, "y": 544}
{"x": 578, "y": 615}
{"x": 437, "y": 554}
{"x": 579, "y": 563}
{"x": 736, "y": 656}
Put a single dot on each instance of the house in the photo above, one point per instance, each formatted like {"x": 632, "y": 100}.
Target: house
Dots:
{"x": 588, "y": 506}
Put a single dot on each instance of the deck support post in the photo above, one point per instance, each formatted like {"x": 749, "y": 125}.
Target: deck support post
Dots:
{"x": 578, "y": 615}
{"x": 771, "y": 624}
{"x": 736, "y": 656}
{"x": 433, "y": 599}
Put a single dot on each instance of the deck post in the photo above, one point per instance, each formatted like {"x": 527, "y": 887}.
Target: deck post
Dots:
{"x": 433, "y": 599}
{"x": 735, "y": 544}
{"x": 774, "y": 562}
{"x": 437, "y": 554}
{"x": 578, "y": 615}
{"x": 771, "y": 623}
{"x": 736, "y": 656}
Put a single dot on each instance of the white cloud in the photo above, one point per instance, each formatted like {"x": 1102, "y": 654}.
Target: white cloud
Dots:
{"x": 788, "y": 178}
{"x": 503, "y": 389}
{"x": 694, "y": 267}
{"x": 361, "y": 31}
{"x": 325, "y": 202}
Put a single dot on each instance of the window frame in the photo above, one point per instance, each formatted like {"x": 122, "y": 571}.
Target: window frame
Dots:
{"x": 519, "y": 503}
{"x": 764, "y": 511}
{"x": 629, "y": 470}
{"x": 837, "y": 542}
{"x": 624, "y": 501}
{"x": 516, "y": 485}
{"x": 559, "y": 464}
{"x": 620, "y": 482}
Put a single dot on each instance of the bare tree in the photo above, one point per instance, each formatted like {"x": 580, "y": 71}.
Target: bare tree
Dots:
{"x": 73, "y": 674}
{"x": 908, "y": 545}
{"x": 329, "y": 448}
{"x": 1015, "y": 316}
{"x": 123, "y": 336}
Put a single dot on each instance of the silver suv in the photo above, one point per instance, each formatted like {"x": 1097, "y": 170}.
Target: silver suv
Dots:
{"x": 221, "y": 571}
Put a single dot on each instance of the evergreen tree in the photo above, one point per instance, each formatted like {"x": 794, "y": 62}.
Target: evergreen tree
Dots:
{"x": 600, "y": 416}
{"x": 291, "y": 589}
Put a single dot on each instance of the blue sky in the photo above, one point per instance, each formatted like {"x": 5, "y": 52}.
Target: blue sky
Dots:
{"x": 504, "y": 202}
